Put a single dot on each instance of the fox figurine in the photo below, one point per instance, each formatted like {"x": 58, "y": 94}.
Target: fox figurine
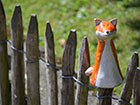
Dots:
{"x": 105, "y": 73}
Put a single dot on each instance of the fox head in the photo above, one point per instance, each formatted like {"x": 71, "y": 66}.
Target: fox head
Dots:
{"x": 105, "y": 29}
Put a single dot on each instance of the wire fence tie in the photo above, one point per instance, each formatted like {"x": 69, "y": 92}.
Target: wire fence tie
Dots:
{"x": 14, "y": 48}
{"x": 84, "y": 84}
{"x": 101, "y": 97}
{"x": 31, "y": 60}
{"x": 67, "y": 76}
{"x": 124, "y": 101}
{"x": 47, "y": 64}
{"x": 17, "y": 50}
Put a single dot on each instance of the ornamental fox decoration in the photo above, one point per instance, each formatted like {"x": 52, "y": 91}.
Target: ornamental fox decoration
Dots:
{"x": 105, "y": 73}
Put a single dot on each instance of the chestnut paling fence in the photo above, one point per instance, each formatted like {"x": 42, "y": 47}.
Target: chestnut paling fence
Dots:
{"x": 69, "y": 95}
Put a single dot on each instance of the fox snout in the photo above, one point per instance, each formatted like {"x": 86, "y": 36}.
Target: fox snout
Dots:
{"x": 105, "y": 35}
{"x": 107, "y": 32}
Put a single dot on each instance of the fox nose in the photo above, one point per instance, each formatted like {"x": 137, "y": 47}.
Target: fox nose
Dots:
{"x": 107, "y": 32}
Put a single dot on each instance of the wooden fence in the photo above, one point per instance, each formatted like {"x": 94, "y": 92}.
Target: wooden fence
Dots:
{"x": 69, "y": 95}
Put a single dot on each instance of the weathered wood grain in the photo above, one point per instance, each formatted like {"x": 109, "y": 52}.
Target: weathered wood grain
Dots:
{"x": 17, "y": 59}
{"x": 136, "y": 88}
{"x": 84, "y": 63}
{"x": 68, "y": 63}
{"x": 4, "y": 79}
{"x": 32, "y": 54}
{"x": 51, "y": 72}
{"x": 128, "y": 83}
{"x": 105, "y": 92}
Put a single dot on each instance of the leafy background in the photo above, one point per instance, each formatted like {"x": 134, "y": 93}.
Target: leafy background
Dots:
{"x": 65, "y": 15}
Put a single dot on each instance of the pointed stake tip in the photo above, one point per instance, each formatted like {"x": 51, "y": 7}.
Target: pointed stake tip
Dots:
{"x": 33, "y": 16}
{"x": 48, "y": 22}
{"x": 17, "y": 15}
{"x": 138, "y": 68}
{"x": 136, "y": 52}
{"x": 48, "y": 26}
{"x": 17, "y": 9}
{"x": 85, "y": 37}
{"x": 17, "y": 6}
{"x": 73, "y": 30}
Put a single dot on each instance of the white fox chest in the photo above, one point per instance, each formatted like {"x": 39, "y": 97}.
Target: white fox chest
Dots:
{"x": 108, "y": 74}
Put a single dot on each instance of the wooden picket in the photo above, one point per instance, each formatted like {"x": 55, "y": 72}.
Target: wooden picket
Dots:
{"x": 84, "y": 63}
{"x": 4, "y": 79}
{"x": 32, "y": 62}
{"x": 68, "y": 63}
{"x": 136, "y": 88}
{"x": 51, "y": 72}
{"x": 69, "y": 94}
{"x": 17, "y": 61}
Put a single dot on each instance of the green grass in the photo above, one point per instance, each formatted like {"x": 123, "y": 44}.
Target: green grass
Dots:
{"x": 79, "y": 14}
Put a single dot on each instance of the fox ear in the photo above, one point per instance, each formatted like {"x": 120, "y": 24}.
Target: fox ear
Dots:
{"x": 114, "y": 21}
{"x": 97, "y": 21}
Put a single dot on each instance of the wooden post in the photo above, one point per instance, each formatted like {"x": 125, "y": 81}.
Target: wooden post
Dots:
{"x": 17, "y": 65}
{"x": 68, "y": 63}
{"x": 4, "y": 79}
{"x": 32, "y": 53}
{"x": 84, "y": 63}
{"x": 51, "y": 72}
{"x": 105, "y": 92}
{"x": 136, "y": 88}
{"x": 128, "y": 83}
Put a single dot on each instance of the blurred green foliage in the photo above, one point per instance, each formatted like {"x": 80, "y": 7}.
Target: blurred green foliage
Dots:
{"x": 79, "y": 14}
